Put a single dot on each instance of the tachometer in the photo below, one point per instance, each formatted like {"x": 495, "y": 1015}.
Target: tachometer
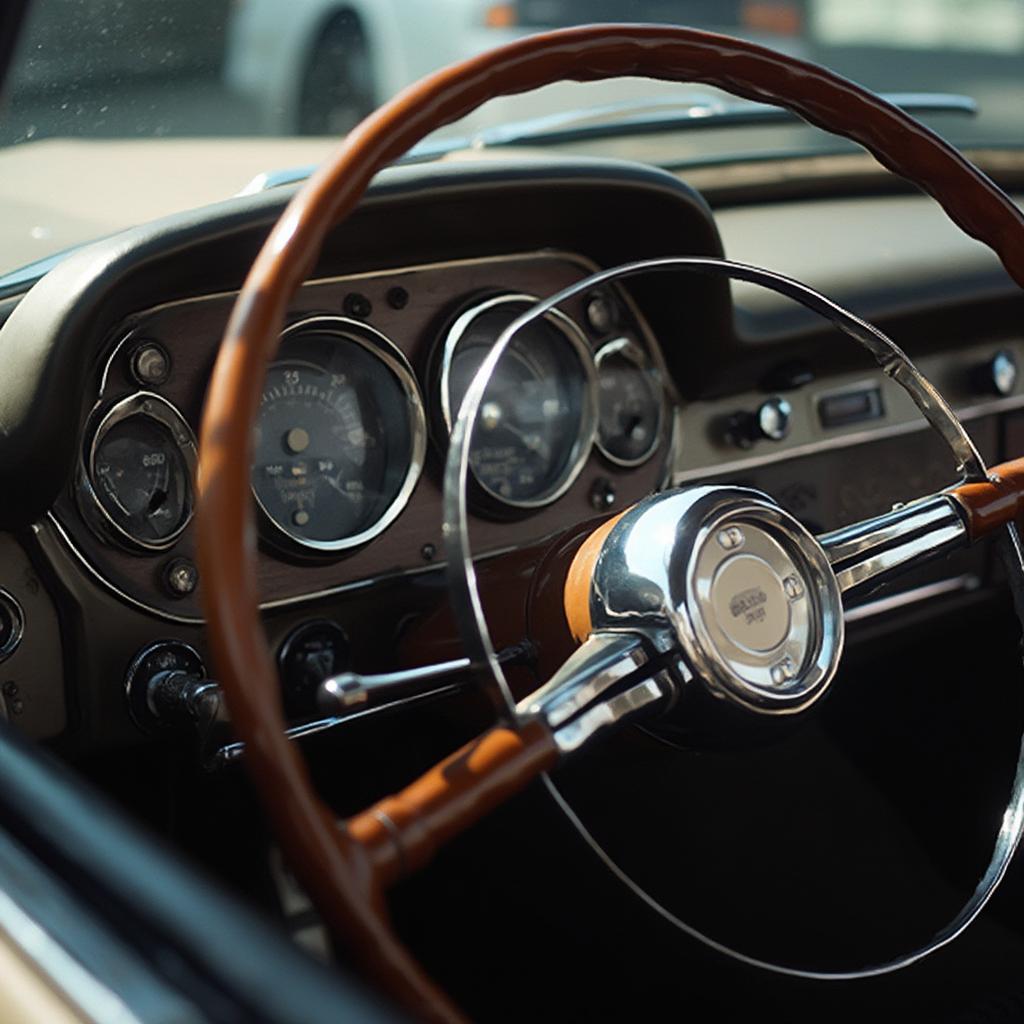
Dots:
{"x": 340, "y": 437}
{"x": 538, "y": 415}
{"x": 630, "y": 405}
{"x": 139, "y": 469}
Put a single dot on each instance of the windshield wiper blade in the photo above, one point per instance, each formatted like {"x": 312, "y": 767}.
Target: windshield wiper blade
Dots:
{"x": 652, "y": 116}
{"x": 667, "y": 114}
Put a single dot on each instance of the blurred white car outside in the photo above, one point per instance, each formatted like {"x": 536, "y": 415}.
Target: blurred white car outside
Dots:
{"x": 316, "y": 67}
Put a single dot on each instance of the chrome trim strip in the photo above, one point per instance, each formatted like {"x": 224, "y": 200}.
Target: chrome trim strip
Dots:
{"x": 954, "y": 585}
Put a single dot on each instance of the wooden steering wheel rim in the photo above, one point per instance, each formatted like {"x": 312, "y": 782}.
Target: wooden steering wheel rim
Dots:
{"x": 340, "y": 865}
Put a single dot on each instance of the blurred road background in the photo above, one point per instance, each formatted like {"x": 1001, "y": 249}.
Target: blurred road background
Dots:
{"x": 159, "y": 68}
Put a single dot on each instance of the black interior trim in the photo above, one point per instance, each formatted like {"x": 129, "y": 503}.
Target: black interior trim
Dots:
{"x": 199, "y": 942}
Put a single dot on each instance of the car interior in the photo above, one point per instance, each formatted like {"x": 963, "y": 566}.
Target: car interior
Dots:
{"x": 537, "y": 577}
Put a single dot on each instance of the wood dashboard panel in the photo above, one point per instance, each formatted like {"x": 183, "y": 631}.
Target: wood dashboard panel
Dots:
{"x": 434, "y": 294}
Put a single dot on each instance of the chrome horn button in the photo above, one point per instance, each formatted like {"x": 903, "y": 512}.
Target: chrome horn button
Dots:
{"x": 749, "y": 603}
{"x": 754, "y": 606}
{"x": 736, "y": 584}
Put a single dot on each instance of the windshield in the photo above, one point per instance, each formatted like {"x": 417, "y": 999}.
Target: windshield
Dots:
{"x": 118, "y": 111}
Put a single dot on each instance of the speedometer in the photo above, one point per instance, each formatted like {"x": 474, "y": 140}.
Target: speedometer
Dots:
{"x": 536, "y": 422}
{"x": 340, "y": 437}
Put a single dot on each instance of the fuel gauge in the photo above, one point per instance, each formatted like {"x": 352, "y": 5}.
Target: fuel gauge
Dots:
{"x": 630, "y": 405}
{"x": 138, "y": 473}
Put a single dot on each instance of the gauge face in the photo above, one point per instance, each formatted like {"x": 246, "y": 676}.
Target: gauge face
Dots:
{"x": 536, "y": 421}
{"x": 141, "y": 465}
{"x": 340, "y": 436}
{"x": 629, "y": 403}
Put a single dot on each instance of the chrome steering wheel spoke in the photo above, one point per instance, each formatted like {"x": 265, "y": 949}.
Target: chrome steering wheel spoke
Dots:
{"x": 874, "y": 551}
{"x": 605, "y": 681}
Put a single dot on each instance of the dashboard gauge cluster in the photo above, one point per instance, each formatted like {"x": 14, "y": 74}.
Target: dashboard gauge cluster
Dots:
{"x": 340, "y": 438}
{"x": 351, "y": 433}
{"x": 136, "y": 481}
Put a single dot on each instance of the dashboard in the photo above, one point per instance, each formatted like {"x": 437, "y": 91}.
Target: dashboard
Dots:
{"x": 677, "y": 380}
{"x": 352, "y": 426}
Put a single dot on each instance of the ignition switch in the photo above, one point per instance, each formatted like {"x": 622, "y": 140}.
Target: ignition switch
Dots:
{"x": 311, "y": 653}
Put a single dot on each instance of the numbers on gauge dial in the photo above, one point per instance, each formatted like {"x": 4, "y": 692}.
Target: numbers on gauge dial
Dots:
{"x": 333, "y": 441}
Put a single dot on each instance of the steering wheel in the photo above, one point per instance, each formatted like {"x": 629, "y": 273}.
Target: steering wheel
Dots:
{"x": 655, "y": 597}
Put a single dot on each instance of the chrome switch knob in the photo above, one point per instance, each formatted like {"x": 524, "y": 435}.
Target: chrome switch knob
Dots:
{"x": 998, "y": 375}
{"x": 773, "y": 417}
{"x": 771, "y": 421}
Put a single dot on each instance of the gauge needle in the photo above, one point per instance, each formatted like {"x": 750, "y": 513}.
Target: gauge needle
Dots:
{"x": 492, "y": 417}
{"x": 531, "y": 442}
{"x": 335, "y": 482}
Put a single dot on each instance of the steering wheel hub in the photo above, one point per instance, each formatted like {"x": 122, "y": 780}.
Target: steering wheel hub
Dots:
{"x": 734, "y": 582}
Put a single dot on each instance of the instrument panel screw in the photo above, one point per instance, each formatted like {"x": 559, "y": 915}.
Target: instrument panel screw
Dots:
{"x": 602, "y": 494}
{"x": 10, "y": 688}
{"x": 151, "y": 365}
{"x": 731, "y": 538}
{"x": 429, "y": 552}
{"x": 357, "y": 305}
{"x": 181, "y": 577}
{"x": 17, "y": 706}
{"x": 397, "y": 297}
{"x": 600, "y": 314}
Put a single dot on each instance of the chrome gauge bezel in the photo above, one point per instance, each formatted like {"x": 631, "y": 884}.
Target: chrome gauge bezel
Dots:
{"x": 391, "y": 356}
{"x": 585, "y": 438}
{"x": 158, "y": 409}
{"x": 631, "y": 350}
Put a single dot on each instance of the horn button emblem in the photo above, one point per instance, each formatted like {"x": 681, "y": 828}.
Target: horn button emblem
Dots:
{"x": 750, "y": 604}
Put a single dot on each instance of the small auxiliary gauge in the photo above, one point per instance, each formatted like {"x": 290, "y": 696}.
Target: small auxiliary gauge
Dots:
{"x": 137, "y": 475}
{"x": 630, "y": 405}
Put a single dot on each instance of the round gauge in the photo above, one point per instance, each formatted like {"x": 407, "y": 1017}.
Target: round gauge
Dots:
{"x": 630, "y": 404}
{"x": 139, "y": 473}
{"x": 537, "y": 419}
{"x": 340, "y": 437}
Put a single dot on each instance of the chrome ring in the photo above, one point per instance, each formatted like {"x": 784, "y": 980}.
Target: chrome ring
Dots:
{"x": 384, "y": 349}
{"x": 569, "y": 329}
{"x": 154, "y": 407}
{"x": 628, "y": 349}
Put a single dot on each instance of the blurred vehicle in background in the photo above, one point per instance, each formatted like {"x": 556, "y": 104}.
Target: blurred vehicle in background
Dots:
{"x": 317, "y": 67}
